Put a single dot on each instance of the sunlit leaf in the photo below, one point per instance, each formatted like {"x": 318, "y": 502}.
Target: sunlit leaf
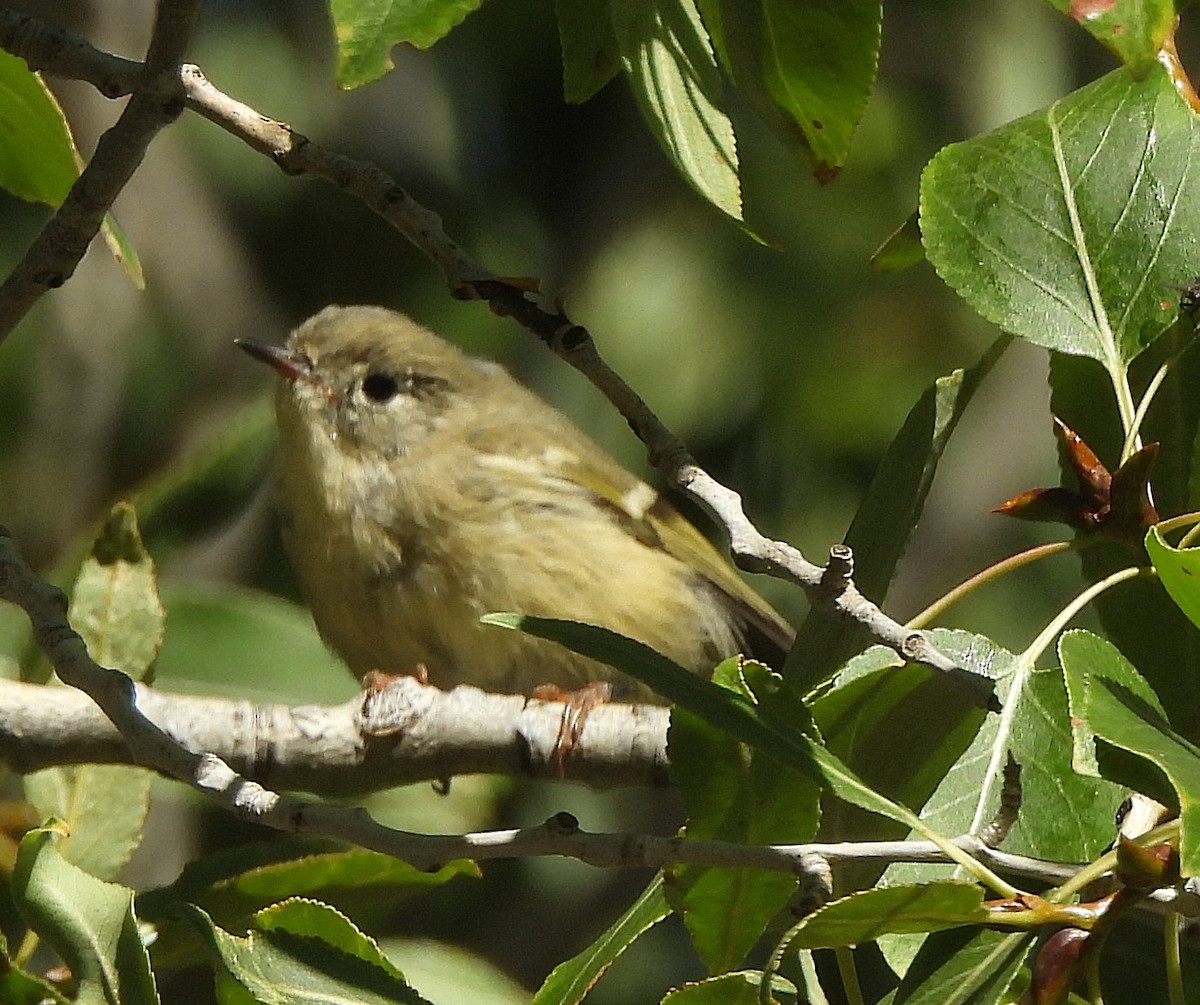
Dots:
{"x": 1132, "y": 30}
{"x": 571, "y": 980}
{"x": 806, "y": 68}
{"x": 666, "y": 53}
{"x": 1179, "y": 572}
{"x": 1073, "y": 226}
{"x": 39, "y": 161}
{"x": 366, "y": 30}
{"x": 306, "y": 953}
{"x": 90, "y": 923}
{"x": 863, "y": 917}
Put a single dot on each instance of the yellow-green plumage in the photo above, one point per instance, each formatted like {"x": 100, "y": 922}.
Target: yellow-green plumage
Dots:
{"x": 422, "y": 489}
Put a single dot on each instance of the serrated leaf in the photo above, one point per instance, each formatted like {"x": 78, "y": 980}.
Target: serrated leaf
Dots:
{"x": 739, "y": 795}
{"x": 887, "y": 515}
{"x": 571, "y": 980}
{"x": 1084, "y": 657}
{"x": 305, "y": 952}
{"x": 864, "y": 917}
{"x": 114, "y": 604}
{"x": 1063, "y": 816}
{"x": 90, "y": 923}
{"x": 366, "y": 30}
{"x": 589, "y": 48}
{"x": 1117, "y": 707}
{"x": 740, "y": 987}
{"x": 1072, "y": 226}
{"x": 858, "y": 721}
{"x": 806, "y": 68}
{"x": 231, "y": 884}
{"x": 103, "y": 807}
{"x": 668, "y": 58}
{"x": 1132, "y": 30}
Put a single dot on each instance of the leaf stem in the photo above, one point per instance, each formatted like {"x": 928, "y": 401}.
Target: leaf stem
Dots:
{"x": 849, "y": 975}
{"x": 1048, "y": 634}
{"x": 1131, "y": 436}
{"x": 1119, "y": 373}
{"x": 990, "y": 574}
{"x": 1171, "y": 948}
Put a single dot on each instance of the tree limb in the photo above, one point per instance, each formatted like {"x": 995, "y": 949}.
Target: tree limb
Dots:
{"x": 409, "y": 732}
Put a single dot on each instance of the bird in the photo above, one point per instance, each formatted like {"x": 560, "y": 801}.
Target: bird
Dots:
{"x": 421, "y": 488}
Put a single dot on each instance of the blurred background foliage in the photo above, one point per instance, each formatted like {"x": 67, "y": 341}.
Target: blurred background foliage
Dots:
{"x": 786, "y": 368}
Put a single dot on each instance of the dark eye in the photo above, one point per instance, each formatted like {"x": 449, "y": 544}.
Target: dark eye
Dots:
{"x": 380, "y": 387}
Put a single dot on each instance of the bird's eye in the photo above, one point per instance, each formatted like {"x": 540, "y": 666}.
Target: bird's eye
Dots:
{"x": 380, "y": 387}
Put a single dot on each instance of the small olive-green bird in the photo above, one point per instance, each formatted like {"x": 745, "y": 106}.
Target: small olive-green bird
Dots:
{"x": 422, "y": 488}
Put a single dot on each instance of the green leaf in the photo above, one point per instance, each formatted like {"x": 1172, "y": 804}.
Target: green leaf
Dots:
{"x": 571, "y": 980}
{"x": 37, "y": 155}
{"x": 806, "y": 68}
{"x": 1179, "y": 572}
{"x": 305, "y": 952}
{"x": 888, "y": 513}
{"x": 103, "y": 807}
{"x": 38, "y": 158}
{"x": 1085, "y": 656}
{"x": 366, "y": 30}
{"x": 738, "y": 795}
{"x": 1063, "y": 816}
{"x": 89, "y": 923}
{"x": 737, "y": 988}
{"x": 114, "y": 605}
{"x": 963, "y": 967}
{"x": 666, "y": 53}
{"x": 858, "y": 718}
{"x": 589, "y": 48}
{"x": 1072, "y": 227}
{"x": 717, "y": 706}
{"x": 1132, "y": 30}
{"x": 117, "y": 612}
{"x": 863, "y": 917}
{"x": 1115, "y": 705}
{"x": 231, "y": 884}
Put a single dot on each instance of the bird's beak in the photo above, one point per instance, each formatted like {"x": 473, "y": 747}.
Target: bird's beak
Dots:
{"x": 289, "y": 365}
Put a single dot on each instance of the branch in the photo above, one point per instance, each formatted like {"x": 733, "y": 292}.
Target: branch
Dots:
{"x": 409, "y": 732}
{"x": 831, "y": 588}
{"x": 52, "y": 258}
{"x": 143, "y": 719}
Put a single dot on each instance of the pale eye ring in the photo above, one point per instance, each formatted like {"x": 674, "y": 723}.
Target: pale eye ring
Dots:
{"x": 380, "y": 387}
